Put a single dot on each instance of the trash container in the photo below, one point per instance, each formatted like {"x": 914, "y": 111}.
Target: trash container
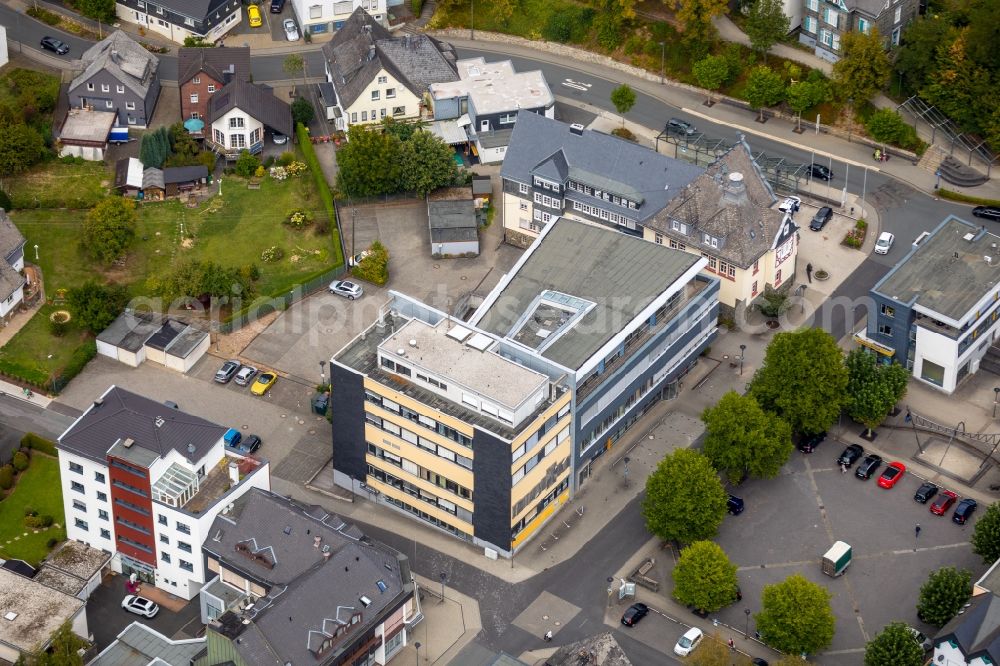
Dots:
{"x": 320, "y": 403}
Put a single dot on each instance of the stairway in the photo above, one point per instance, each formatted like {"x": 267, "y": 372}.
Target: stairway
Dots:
{"x": 931, "y": 159}
{"x": 991, "y": 361}
{"x": 959, "y": 174}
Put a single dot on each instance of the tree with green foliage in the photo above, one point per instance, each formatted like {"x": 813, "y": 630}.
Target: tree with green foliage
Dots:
{"x": 795, "y": 616}
{"x": 246, "y": 164}
{"x": 766, "y": 25}
{"x": 894, "y": 646}
{"x": 5, "y": 202}
{"x": 185, "y": 150}
{"x": 401, "y": 129}
{"x": 99, "y": 10}
{"x": 916, "y": 57}
{"x": 21, "y": 147}
{"x": 711, "y": 72}
{"x": 375, "y": 267}
{"x": 863, "y": 68}
{"x": 704, "y": 578}
{"x": 764, "y": 88}
{"x": 944, "y": 593}
{"x": 154, "y": 148}
{"x": 697, "y": 29}
{"x": 64, "y": 649}
{"x": 742, "y": 439}
{"x": 303, "y": 111}
{"x": 570, "y": 24}
{"x": 427, "y": 163}
{"x": 986, "y": 535}
{"x": 193, "y": 41}
{"x": 109, "y": 229}
{"x": 295, "y": 65}
{"x": 958, "y": 84}
{"x": 685, "y": 500}
{"x": 193, "y": 279}
{"x": 623, "y": 97}
{"x": 96, "y": 305}
{"x": 802, "y": 380}
{"x": 873, "y": 388}
{"x": 369, "y": 164}
{"x": 803, "y": 95}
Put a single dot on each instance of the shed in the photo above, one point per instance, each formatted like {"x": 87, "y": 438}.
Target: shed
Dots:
{"x": 152, "y": 184}
{"x": 135, "y": 337}
{"x": 184, "y": 179}
{"x": 84, "y": 133}
{"x": 482, "y": 190}
{"x": 451, "y": 217}
{"x": 124, "y": 340}
{"x": 128, "y": 177}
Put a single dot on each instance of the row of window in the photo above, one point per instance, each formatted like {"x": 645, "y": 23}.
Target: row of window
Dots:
{"x": 533, "y": 461}
{"x": 390, "y": 93}
{"x": 377, "y": 114}
{"x": 420, "y": 494}
{"x": 593, "y": 211}
{"x": 549, "y": 424}
{"x": 422, "y": 442}
{"x": 107, "y": 88}
{"x": 186, "y": 547}
{"x": 551, "y": 474}
{"x": 83, "y": 525}
{"x": 516, "y": 528}
{"x": 78, "y": 469}
{"x": 194, "y": 96}
{"x": 425, "y": 421}
{"x": 609, "y": 420}
{"x": 613, "y": 198}
{"x": 416, "y": 470}
{"x": 720, "y": 267}
{"x": 548, "y": 202}
{"x": 183, "y": 564}
{"x": 423, "y": 515}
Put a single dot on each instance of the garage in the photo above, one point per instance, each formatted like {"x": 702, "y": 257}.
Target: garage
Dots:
{"x": 135, "y": 337}
{"x": 454, "y": 228}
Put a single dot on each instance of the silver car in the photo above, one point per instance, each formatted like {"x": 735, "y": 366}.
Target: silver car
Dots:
{"x": 291, "y": 32}
{"x": 245, "y": 375}
{"x": 347, "y": 289}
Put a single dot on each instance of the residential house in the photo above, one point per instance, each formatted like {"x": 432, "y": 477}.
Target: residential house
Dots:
{"x": 139, "y": 645}
{"x": 726, "y": 215}
{"x": 12, "y": 281}
{"x": 4, "y": 58}
{"x": 937, "y": 311}
{"x": 296, "y": 584}
{"x": 319, "y": 17}
{"x": 144, "y": 481}
{"x": 485, "y": 102}
{"x": 207, "y": 20}
{"x": 552, "y": 170}
{"x": 119, "y": 75}
{"x": 377, "y": 75}
{"x": 31, "y": 613}
{"x": 483, "y": 429}
{"x": 240, "y": 114}
{"x": 825, "y": 22}
{"x": 203, "y": 71}
{"x": 453, "y": 222}
{"x": 971, "y": 638}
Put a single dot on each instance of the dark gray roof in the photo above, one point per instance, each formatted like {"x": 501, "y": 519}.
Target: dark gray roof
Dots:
{"x": 222, "y": 64}
{"x": 185, "y": 174}
{"x": 152, "y": 177}
{"x": 185, "y": 343}
{"x": 482, "y": 185}
{"x": 452, "y": 214}
{"x": 139, "y": 645}
{"x": 948, "y": 273}
{"x": 11, "y": 242}
{"x": 620, "y": 274}
{"x": 131, "y": 330}
{"x": 976, "y": 630}
{"x": 196, "y": 9}
{"x": 547, "y": 147}
{"x": 121, "y": 414}
{"x": 254, "y": 100}
{"x": 122, "y": 57}
{"x": 363, "y": 47}
{"x": 20, "y": 567}
{"x": 163, "y": 337}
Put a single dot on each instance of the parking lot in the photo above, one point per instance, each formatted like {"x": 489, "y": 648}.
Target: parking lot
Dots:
{"x": 107, "y": 618}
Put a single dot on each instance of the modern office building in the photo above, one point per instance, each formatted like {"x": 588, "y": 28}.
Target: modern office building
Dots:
{"x": 938, "y": 310}
{"x": 144, "y": 481}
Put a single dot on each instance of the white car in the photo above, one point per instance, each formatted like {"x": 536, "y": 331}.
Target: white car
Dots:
{"x": 245, "y": 375}
{"x": 347, "y": 289}
{"x": 279, "y": 139}
{"x": 140, "y": 606}
{"x": 884, "y": 243}
{"x": 358, "y": 258}
{"x": 291, "y": 32}
{"x": 790, "y": 205}
{"x": 688, "y": 642}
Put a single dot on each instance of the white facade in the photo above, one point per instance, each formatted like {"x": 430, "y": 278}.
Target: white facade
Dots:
{"x": 324, "y": 16}
{"x": 235, "y": 131}
{"x": 175, "y": 33}
{"x": 945, "y": 654}
{"x": 89, "y": 153}
{"x": 383, "y": 97}
{"x": 86, "y": 492}
{"x": 10, "y": 303}
{"x": 3, "y": 46}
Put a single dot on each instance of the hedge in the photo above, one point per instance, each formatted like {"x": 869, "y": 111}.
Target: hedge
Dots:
{"x": 38, "y": 443}
{"x": 965, "y": 198}
{"x": 82, "y": 355}
{"x": 309, "y": 154}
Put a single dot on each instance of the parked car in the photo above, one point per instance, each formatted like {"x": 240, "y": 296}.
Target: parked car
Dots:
{"x": 57, "y": 46}
{"x": 868, "y": 466}
{"x": 264, "y": 382}
{"x": 277, "y": 6}
{"x": 925, "y": 643}
{"x": 809, "y": 443}
{"x": 821, "y": 172}
{"x": 227, "y": 371}
{"x": 634, "y": 614}
{"x": 943, "y": 502}
{"x": 757, "y": 661}
{"x": 964, "y": 511}
{"x": 140, "y": 606}
{"x": 347, "y": 289}
{"x": 822, "y": 216}
{"x": 925, "y": 492}
{"x": 987, "y": 212}
{"x": 254, "y": 17}
{"x": 291, "y": 32}
{"x": 850, "y": 455}
{"x": 279, "y": 139}
{"x": 246, "y": 375}
{"x": 678, "y": 126}
{"x": 891, "y": 475}
{"x": 688, "y": 642}
{"x": 884, "y": 243}
{"x": 358, "y": 258}
{"x": 735, "y": 505}
{"x": 246, "y": 445}
{"x": 790, "y": 205}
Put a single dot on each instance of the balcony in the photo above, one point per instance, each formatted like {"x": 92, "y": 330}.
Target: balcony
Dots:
{"x": 230, "y": 154}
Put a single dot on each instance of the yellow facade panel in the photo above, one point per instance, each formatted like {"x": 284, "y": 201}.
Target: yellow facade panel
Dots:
{"x": 542, "y": 418}
{"x": 539, "y": 520}
{"x": 524, "y": 486}
{"x": 429, "y": 509}
{"x": 419, "y": 456}
{"x": 423, "y": 484}
{"x": 417, "y": 406}
{"x": 531, "y": 506}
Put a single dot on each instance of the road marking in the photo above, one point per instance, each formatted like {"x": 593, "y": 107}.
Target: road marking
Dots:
{"x": 577, "y": 85}
{"x": 870, "y": 556}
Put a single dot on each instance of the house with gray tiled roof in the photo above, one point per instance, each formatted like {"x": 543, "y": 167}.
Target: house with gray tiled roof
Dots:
{"x": 119, "y": 75}
{"x": 727, "y": 215}
{"x": 296, "y": 584}
{"x": 825, "y": 22}
{"x": 207, "y": 20}
{"x": 12, "y": 282}
{"x": 241, "y": 114}
{"x": 552, "y": 170}
{"x": 140, "y": 645}
{"x": 377, "y": 75}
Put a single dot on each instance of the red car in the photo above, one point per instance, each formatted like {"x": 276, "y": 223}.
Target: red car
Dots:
{"x": 943, "y": 502}
{"x": 892, "y": 474}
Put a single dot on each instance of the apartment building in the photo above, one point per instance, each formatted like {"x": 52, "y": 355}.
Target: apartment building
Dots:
{"x": 296, "y": 584}
{"x": 119, "y": 76}
{"x": 552, "y": 170}
{"x": 207, "y": 20}
{"x": 144, "y": 481}
{"x": 319, "y": 17}
{"x": 825, "y": 22}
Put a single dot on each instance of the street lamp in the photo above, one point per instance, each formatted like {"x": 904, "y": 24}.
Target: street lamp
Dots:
{"x": 627, "y": 461}
{"x": 472, "y": 21}
{"x": 417, "y": 645}
{"x": 322, "y": 373}
{"x": 746, "y": 628}
{"x": 36, "y": 251}
{"x": 610, "y": 589}
{"x": 444, "y": 577}
{"x": 996, "y": 398}
{"x": 743, "y": 349}
{"x": 663, "y": 57}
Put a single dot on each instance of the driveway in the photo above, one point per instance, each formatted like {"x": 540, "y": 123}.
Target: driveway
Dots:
{"x": 108, "y": 619}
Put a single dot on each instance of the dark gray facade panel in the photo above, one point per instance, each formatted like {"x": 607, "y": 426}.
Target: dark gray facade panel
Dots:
{"x": 347, "y": 400}
{"x": 491, "y": 495}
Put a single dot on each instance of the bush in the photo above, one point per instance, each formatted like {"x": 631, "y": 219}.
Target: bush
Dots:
{"x": 375, "y": 267}
{"x": 568, "y": 25}
{"x": 260, "y": 172}
{"x": 51, "y": 543}
{"x": 324, "y": 188}
{"x": 299, "y": 219}
{"x": 246, "y": 164}
{"x": 20, "y": 461}
{"x": 38, "y": 522}
{"x": 416, "y": 6}
{"x": 30, "y": 511}
{"x": 303, "y": 111}
{"x": 6, "y": 477}
{"x": 44, "y": 15}
{"x": 272, "y": 254}
{"x": 286, "y": 158}
{"x": 58, "y": 327}
{"x": 5, "y": 201}
{"x": 624, "y": 133}
{"x": 82, "y": 355}
{"x": 38, "y": 443}
{"x": 958, "y": 196}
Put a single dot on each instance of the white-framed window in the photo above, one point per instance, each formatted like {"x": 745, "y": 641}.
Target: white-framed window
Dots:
{"x": 255, "y": 136}
{"x": 381, "y": 112}
{"x": 90, "y": 86}
{"x": 895, "y": 36}
{"x": 108, "y": 104}
{"x": 508, "y": 118}
{"x": 237, "y": 122}
{"x": 813, "y": 5}
{"x": 864, "y": 26}
{"x": 105, "y": 87}
{"x": 189, "y": 21}
{"x": 159, "y": 10}
{"x": 316, "y": 11}
{"x": 120, "y": 90}
{"x": 196, "y": 80}
{"x": 658, "y": 239}
{"x": 130, "y": 106}
{"x": 383, "y": 79}
{"x": 375, "y": 96}
{"x": 141, "y": 4}
{"x": 679, "y": 226}
{"x": 522, "y": 188}
{"x": 132, "y": 121}
{"x": 194, "y": 98}
{"x": 195, "y": 115}
{"x": 237, "y": 141}
{"x": 524, "y": 205}
{"x": 211, "y": 87}
{"x": 354, "y": 116}
{"x": 826, "y": 37}
{"x": 898, "y": 14}
{"x": 220, "y": 138}
{"x": 390, "y": 93}
{"x": 364, "y": 116}
{"x": 809, "y": 24}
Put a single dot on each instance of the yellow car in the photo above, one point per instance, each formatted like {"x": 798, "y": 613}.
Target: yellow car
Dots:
{"x": 263, "y": 383}
{"x": 253, "y": 13}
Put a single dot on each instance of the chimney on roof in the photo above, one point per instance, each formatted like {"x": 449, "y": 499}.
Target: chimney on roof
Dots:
{"x": 576, "y": 128}
{"x": 734, "y": 190}
{"x": 371, "y": 53}
{"x": 234, "y": 473}
{"x": 114, "y": 55}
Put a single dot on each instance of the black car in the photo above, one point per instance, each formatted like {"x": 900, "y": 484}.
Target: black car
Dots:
{"x": 757, "y": 661}
{"x": 850, "y": 455}
{"x": 925, "y": 492}
{"x": 55, "y": 45}
{"x": 964, "y": 511}
{"x": 822, "y": 216}
{"x": 678, "y": 126}
{"x": 277, "y": 6}
{"x": 820, "y": 171}
{"x": 227, "y": 371}
{"x": 868, "y": 466}
{"x": 808, "y": 443}
{"x": 735, "y": 505}
{"x": 634, "y": 613}
{"x": 987, "y": 212}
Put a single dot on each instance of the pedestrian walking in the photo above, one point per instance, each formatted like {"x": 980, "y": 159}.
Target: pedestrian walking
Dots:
{"x": 809, "y": 272}
{"x": 548, "y": 636}
{"x": 732, "y": 645}
{"x": 843, "y": 468}
{"x": 917, "y": 530}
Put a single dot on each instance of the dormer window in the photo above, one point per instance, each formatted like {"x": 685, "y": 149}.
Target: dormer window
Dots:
{"x": 710, "y": 240}
{"x": 679, "y": 226}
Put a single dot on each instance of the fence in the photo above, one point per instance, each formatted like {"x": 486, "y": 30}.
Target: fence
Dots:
{"x": 279, "y": 302}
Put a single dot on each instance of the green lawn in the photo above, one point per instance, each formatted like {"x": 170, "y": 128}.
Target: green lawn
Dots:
{"x": 39, "y": 488}
{"x": 35, "y": 355}
{"x": 53, "y": 184}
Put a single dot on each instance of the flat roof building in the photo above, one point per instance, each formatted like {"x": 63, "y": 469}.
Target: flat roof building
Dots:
{"x": 30, "y": 612}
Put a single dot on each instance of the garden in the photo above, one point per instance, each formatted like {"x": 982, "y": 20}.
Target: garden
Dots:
{"x": 31, "y": 502}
